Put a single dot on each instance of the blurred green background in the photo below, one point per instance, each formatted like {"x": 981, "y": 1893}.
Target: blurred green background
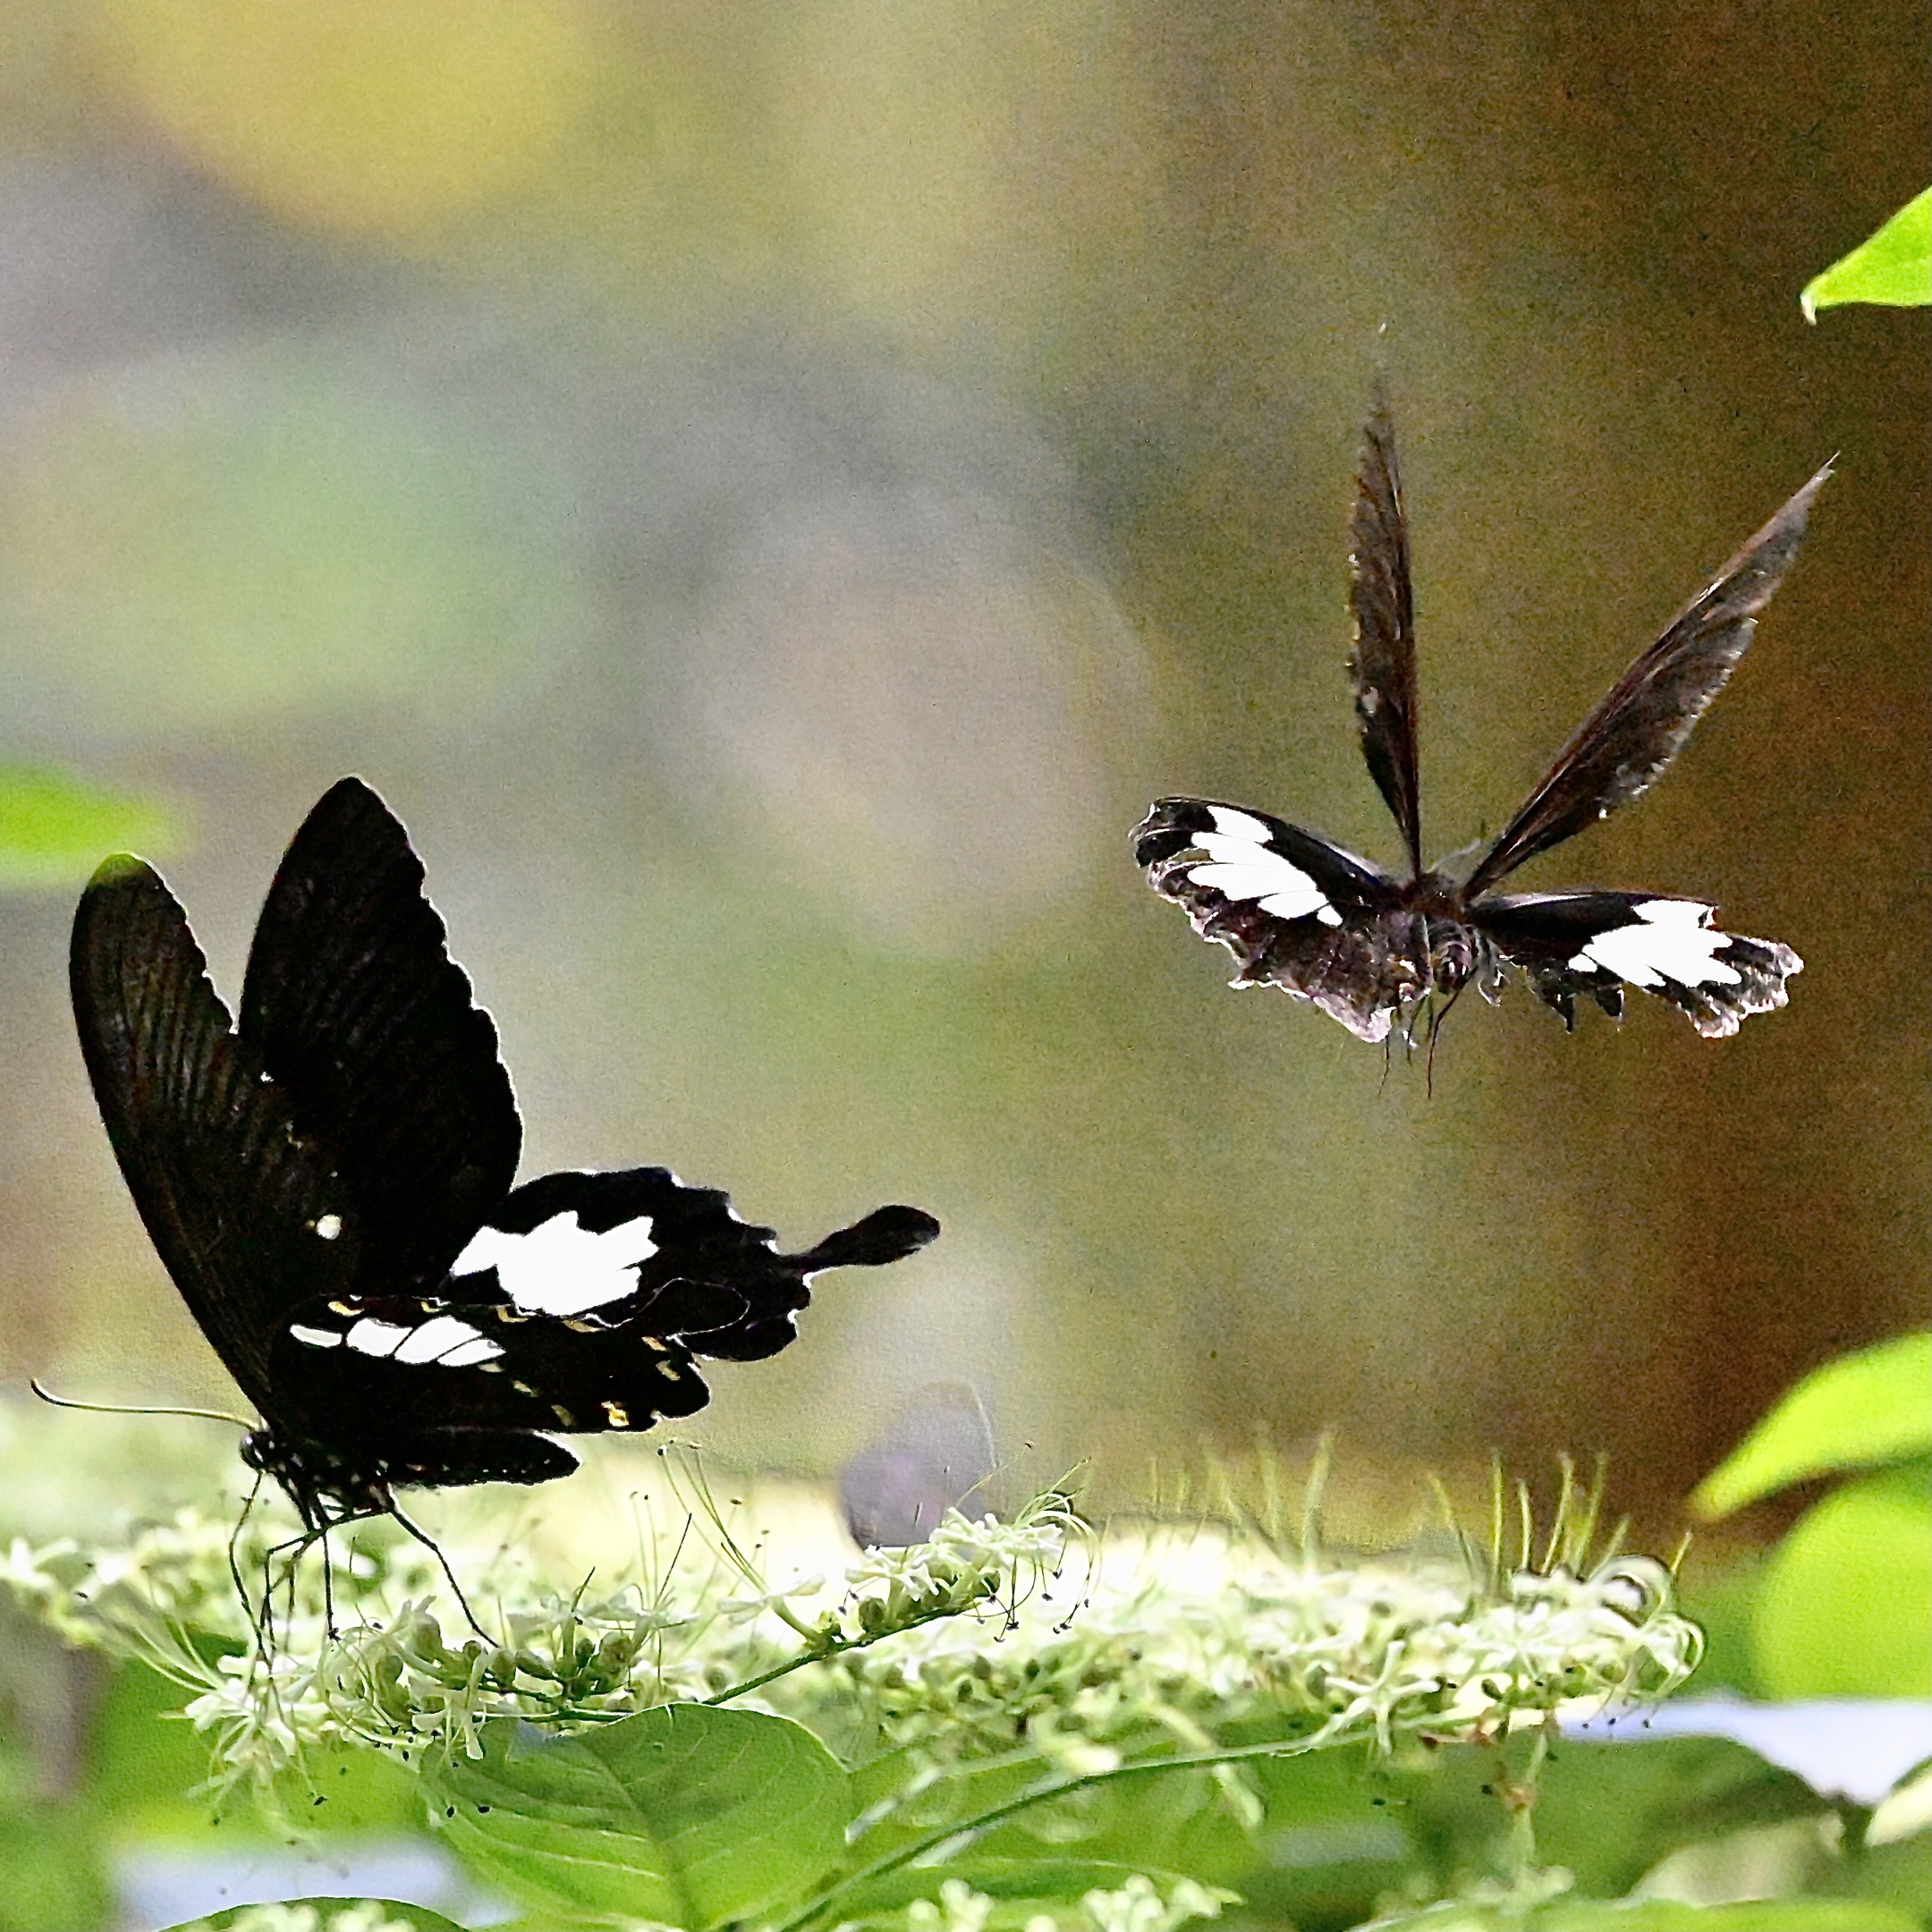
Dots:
{"x": 769, "y": 493}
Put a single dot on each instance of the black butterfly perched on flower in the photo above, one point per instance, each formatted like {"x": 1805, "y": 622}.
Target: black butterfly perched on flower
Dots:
{"x": 1365, "y": 946}
{"x": 330, "y": 1186}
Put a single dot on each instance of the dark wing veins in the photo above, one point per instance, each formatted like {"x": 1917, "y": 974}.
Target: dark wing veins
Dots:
{"x": 1624, "y": 745}
{"x": 356, "y": 1008}
{"x": 1381, "y": 603}
{"x": 245, "y": 1208}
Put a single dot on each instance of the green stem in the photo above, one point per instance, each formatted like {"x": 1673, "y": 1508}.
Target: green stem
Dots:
{"x": 1333, "y": 1732}
{"x": 839, "y": 1647}
{"x": 1523, "y": 1823}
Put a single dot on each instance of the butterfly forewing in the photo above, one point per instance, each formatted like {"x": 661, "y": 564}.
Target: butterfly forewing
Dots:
{"x": 1593, "y": 945}
{"x": 1381, "y": 604}
{"x": 247, "y": 1210}
{"x": 355, "y": 1007}
{"x": 1624, "y": 745}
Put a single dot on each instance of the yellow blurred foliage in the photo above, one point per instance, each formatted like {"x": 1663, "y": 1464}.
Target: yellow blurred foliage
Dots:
{"x": 379, "y": 115}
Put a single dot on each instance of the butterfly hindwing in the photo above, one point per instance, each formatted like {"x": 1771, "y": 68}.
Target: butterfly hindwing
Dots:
{"x": 1628, "y": 740}
{"x": 1295, "y": 910}
{"x": 1592, "y": 945}
{"x": 1250, "y": 859}
{"x": 247, "y": 1210}
{"x": 383, "y": 1368}
{"x": 1382, "y": 607}
{"x": 641, "y": 1249}
{"x": 357, "y": 1010}
{"x": 582, "y": 1305}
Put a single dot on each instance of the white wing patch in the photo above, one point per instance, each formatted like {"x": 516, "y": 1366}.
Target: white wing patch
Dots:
{"x": 1241, "y": 866}
{"x": 373, "y": 1337}
{"x": 1671, "y": 939}
{"x": 561, "y": 1267}
{"x": 1228, "y": 823}
{"x": 442, "y": 1339}
{"x": 445, "y": 1338}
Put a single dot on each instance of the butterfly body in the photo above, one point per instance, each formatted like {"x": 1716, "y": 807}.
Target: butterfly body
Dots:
{"x": 329, "y": 1185}
{"x": 1367, "y": 946}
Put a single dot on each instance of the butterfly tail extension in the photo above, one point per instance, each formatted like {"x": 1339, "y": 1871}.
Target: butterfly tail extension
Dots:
{"x": 885, "y": 1235}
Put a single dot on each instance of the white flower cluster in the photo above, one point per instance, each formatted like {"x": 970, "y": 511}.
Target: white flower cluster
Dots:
{"x": 1035, "y": 1635}
{"x": 1175, "y": 1632}
{"x": 270, "y": 1678}
{"x": 1138, "y": 1906}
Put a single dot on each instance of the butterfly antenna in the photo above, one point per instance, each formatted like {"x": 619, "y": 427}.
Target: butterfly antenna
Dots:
{"x": 430, "y": 1544}
{"x": 102, "y": 1408}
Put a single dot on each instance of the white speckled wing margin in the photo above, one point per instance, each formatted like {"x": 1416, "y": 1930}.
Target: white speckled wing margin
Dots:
{"x": 1595, "y": 943}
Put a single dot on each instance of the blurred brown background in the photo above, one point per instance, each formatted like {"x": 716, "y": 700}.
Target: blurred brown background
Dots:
{"x": 770, "y": 494}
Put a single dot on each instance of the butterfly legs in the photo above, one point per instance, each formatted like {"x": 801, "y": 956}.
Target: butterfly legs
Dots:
{"x": 1438, "y": 1014}
{"x": 234, "y": 1566}
{"x": 316, "y": 1527}
{"x": 430, "y": 1544}
{"x": 318, "y": 1522}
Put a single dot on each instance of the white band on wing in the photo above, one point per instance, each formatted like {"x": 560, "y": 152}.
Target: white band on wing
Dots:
{"x": 1671, "y": 939}
{"x": 1240, "y": 866}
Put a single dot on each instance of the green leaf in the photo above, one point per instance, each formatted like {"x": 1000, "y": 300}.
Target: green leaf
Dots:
{"x": 1042, "y": 1882}
{"x": 1609, "y": 1812}
{"x": 1894, "y": 267}
{"x": 1747, "y": 1915}
{"x": 1875, "y": 1406}
{"x": 54, "y": 830}
{"x": 53, "y": 1867}
{"x": 1845, "y": 1608}
{"x": 332, "y": 1915}
{"x": 1656, "y": 1915}
{"x": 685, "y": 1815}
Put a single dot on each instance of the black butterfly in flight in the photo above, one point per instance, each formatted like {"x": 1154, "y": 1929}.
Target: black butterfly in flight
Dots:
{"x": 329, "y": 1185}
{"x": 1366, "y": 947}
